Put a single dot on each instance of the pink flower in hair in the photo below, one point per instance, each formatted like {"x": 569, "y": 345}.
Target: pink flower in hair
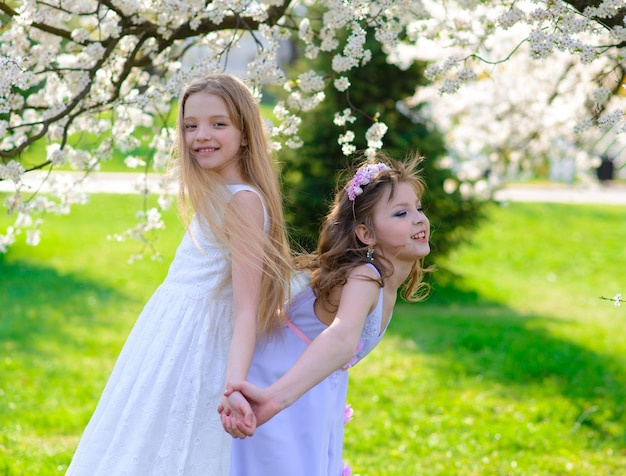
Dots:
{"x": 363, "y": 176}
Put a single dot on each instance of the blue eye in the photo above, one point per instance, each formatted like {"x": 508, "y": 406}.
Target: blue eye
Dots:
{"x": 400, "y": 214}
{"x": 189, "y": 126}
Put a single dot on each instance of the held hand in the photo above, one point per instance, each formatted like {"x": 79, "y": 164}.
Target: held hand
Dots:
{"x": 236, "y": 415}
{"x": 260, "y": 399}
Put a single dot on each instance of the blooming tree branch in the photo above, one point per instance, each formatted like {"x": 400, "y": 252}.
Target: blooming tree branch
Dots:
{"x": 617, "y": 299}
{"x": 84, "y": 76}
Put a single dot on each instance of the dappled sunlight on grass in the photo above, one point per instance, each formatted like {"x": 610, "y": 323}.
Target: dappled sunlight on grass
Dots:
{"x": 513, "y": 366}
{"x": 67, "y": 308}
{"x": 58, "y": 347}
{"x": 435, "y": 394}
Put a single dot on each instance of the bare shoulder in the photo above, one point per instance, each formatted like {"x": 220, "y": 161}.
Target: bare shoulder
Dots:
{"x": 249, "y": 204}
{"x": 365, "y": 274}
{"x": 248, "y": 198}
{"x": 360, "y": 293}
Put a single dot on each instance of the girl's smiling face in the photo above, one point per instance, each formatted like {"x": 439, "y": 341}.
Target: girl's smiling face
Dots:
{"x": 400, "y": 226}
{"x": 213, "y": 139}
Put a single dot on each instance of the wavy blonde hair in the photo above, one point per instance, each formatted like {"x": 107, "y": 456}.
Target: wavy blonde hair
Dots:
{"x": 202, "y": 191}
{"x": 339, "y": 250}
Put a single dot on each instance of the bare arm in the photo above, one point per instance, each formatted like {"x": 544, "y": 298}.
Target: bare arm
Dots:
{"x": 247, "y": 265}
{"x": 329, "y": 351}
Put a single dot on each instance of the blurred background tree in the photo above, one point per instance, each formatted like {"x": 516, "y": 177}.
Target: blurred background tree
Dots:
{"x": 311, "y": 173}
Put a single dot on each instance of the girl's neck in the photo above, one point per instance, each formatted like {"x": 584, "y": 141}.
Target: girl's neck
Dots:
{"x": 400, "y": 274}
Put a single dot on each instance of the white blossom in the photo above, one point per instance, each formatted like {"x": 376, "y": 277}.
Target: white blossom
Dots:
{"x": 600, "y": 95}
{"x": 133, "y": 162}
{"x": 341, "y": 84}
{"x": 583, "y": 125}
{"x": 311, "y": 82}
{"x": 513, "y": 84}
{"x": 511, "y": 17}
{"x": 305, "y": 32}
{"x": 344, "y": 117}
{"x": 374, "y": 135}
{"x": 11, "y": 171}
{"x": 348, "y": 148}
{"x": 7, "y": 239}
{"x": 56, "y": 155}
{"x": 540, "y": 44}
{"x": 607, "y": 121}
{"x": 311, "y": 51}
{"x": 33, "y": 237}
{"x": 329, "y": 41}
{"x": 294, "y": 142}
{"x": 347, "y": 137}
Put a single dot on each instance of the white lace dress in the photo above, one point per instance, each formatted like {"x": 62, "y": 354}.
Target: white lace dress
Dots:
{"x": 158, "y": 412}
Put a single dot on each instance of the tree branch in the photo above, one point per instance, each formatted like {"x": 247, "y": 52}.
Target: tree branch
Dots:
{"x": 41, "y": 26}
{"x": 608, "y": 23}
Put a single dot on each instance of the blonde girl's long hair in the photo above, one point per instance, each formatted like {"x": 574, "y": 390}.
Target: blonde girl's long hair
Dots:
{"x": 339, "y": 250}
{"x": 202, "y": 191}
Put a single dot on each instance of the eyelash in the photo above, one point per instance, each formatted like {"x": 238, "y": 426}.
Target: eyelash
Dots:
{"x": 403, "y": 213}
{"x": 192, "y": 126}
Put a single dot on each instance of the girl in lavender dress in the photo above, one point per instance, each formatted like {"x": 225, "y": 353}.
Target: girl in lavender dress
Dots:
{"x": 372, "y": 243}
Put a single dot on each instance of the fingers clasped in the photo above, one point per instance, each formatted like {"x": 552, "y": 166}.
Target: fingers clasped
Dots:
{"x": 236, "y": 415}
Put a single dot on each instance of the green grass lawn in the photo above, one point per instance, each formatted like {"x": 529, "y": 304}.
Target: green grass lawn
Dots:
{"x": 513, "y": 366}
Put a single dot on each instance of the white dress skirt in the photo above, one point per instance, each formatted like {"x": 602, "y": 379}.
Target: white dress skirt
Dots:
{"x": 158, "y": 412}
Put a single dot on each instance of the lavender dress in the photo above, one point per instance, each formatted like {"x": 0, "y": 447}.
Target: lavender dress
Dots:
{"x": 305, "y": 439}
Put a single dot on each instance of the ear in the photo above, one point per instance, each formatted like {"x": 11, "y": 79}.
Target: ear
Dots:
{"x": 244, "y": 142}
{"x": 364, "y": 234}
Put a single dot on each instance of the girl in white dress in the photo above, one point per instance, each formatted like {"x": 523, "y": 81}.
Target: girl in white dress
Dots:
{"x": 226, "y": 285}
{"x": 372, "y": 243}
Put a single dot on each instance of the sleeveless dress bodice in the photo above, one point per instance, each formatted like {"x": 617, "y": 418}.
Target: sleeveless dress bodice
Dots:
{"x": 157, "y": 415}
{"x": 306, "y": 438}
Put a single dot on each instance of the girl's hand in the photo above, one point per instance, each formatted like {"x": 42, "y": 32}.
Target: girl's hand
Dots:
{"x": 236, "y": 415}
{"x": 260, "y": 399}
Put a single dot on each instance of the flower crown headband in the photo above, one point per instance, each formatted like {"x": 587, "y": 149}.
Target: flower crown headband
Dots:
{"x": 363, "y": 176}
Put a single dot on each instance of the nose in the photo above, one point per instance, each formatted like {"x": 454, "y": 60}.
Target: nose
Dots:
{"x": 203, "y": 133}
{"x": 419, "y": 217}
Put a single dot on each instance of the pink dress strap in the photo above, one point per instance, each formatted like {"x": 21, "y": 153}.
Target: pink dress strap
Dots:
{"x": 298, "y": 332}
{"x": 307, "y": 341}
